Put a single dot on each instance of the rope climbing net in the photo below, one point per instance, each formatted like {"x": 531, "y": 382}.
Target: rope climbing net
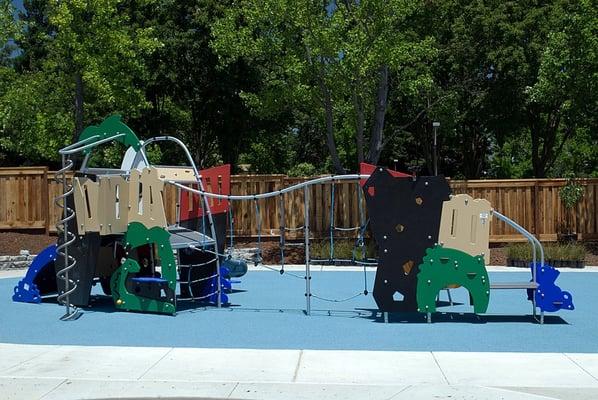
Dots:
{"x": 305, "y": 229}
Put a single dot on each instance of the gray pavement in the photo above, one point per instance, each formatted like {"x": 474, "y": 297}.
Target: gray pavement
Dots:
{"x": 80, "y": 372}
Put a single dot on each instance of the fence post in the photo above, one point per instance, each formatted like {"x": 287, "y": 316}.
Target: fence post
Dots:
{"x": 536, "y": 212}
{"x": 46, "y": 200}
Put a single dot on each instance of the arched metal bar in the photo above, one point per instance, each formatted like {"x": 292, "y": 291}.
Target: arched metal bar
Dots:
{"x": 201, "y": 192}
{"x": 275, "y": 193}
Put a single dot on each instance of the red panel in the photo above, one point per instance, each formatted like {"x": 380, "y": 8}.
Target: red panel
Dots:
{"x": 367, "y": 169}
{"x": 214, "y": 180}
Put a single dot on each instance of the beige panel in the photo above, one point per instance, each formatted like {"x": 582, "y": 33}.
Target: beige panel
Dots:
{"x": 465, "y": 225}
{"x": 86, "y": 194}
{"x": 114, "y": 205}
{"x": 176, "y": 174}
{"x": 145, "y": 198}
{"x": 80, "y": 207}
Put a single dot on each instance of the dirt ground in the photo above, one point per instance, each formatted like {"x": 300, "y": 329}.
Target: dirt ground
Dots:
{"x": 12, "y": 242}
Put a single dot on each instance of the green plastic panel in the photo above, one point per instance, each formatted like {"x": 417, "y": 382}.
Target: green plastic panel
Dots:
{"x": 109, "y": 127}
{"x": 442, "y": 267}
{"x": 138, "y": 235}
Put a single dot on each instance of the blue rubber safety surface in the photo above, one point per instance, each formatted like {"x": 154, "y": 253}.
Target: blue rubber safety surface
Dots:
{"x": 268, "y": 313}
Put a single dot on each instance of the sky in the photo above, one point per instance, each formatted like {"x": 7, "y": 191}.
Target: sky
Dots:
{"x": 18, "y": 4}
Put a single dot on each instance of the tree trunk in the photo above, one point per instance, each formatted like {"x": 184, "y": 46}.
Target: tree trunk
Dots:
{"x": 359, "y": 124}
{"x": 328, "y": 113}
{"x": 377, "y": 138}
{"x": 544, "y": 137}
{"x": 336, "y": 162}
{"x": 78, "y": 106}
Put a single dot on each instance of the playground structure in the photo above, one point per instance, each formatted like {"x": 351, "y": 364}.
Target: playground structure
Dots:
{"x": 114, "y": 231}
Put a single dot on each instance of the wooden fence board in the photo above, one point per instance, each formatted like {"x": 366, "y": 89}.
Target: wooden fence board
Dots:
{"x": 27, "y": 202}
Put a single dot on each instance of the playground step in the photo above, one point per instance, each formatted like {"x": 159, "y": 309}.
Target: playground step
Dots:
{"x": 181, "y": 238}
{"x": 513, "y": 285}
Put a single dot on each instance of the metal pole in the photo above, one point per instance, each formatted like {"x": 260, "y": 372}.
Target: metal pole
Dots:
{"x": 178, "y": 206}
{"x": 203, "y": 198}
{"x": 65, "y": 237}
{"x": 435, "y": 125}
{"x": 307, "y": 267}
{"x": 535, "y": 242}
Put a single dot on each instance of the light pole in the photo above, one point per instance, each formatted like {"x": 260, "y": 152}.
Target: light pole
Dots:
{"x": 436, "y": 125}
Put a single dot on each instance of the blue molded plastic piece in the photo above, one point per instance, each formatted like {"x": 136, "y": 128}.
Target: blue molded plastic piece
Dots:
{"x": 236, "y": 267}
{"x": 26, "y": 290}
{"x": 549, "y": 297}
{"x": 149, "y": 279}
{"x": 225, "y": 286}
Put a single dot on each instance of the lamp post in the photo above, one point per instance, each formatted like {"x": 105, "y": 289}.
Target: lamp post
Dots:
{"x": 436, "y": 125}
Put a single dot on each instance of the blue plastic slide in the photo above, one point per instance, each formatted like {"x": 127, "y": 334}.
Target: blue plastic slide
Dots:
{"x": 27, "y": 290}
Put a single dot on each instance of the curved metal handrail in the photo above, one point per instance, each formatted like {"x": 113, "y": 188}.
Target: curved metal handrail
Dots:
{"x": 204, "y": 199}
{"x": 85, "y": 144}
{"x": 266, "y": 195}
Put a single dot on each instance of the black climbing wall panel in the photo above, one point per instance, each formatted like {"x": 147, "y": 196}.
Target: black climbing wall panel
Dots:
{"x": 198, "y": 275}
{"x": 85, "y": 250}
{"x": 404, "y": 217}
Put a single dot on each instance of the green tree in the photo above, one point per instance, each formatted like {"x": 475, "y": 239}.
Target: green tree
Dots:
{"x": 79, "y": 62}
{"x": 564, "y": 96}
{"x": 337, "y": 61}
{"x": 190, "y": 96}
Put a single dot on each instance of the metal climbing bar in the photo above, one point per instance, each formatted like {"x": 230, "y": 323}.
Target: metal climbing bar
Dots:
{"x": 281, "y": 225}
{"x": 534, "y": 242}
{"x": 305, "y": 186}
{"x": 68, "y": 238}
{"x": 258, "y": 215}
{"x": 206, "y": 205}
{"x": 270, "y": 194}
{"x": 332, "y": 205}
{"x": 87, "y": 143}
{"x": 306, "y": 194}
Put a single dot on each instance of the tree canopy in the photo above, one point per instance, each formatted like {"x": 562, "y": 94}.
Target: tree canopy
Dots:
{"x": 304, "y": 86}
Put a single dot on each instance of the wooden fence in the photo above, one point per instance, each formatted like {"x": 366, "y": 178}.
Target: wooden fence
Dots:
{"x": 27, "y": 202}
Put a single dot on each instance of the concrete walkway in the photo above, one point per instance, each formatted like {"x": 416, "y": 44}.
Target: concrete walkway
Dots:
{"x": 80, "y": 372}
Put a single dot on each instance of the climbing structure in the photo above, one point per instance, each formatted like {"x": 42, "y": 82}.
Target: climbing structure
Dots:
{"x": 442, "y": 267}
{"x": 114, "y": 231}
{"x": 429, "y": 240}
{"x": 404, "y": 216}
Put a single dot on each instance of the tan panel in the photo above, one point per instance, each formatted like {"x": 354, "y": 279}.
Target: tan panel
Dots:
{"x": 145, "y": 198}
{"x": 80, "y": 207}
{"x": 86, "y": 194}
{"x": 176, "y": 174}
{"x": 114, "y": 205}
{"x": 465, "y": 225}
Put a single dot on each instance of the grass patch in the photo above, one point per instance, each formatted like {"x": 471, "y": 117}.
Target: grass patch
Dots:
{"x": 569, "y": 252}
{"x": 343, "y": 249}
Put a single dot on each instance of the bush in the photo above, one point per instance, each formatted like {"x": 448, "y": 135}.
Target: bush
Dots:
{"x": 302, "y": 169}
{"x": 343, "y": 249}
{"x": 569, "y": 252}
{"x": 520, "y": 252}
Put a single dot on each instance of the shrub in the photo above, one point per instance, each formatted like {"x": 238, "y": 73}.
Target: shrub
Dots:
{"x": 343, "y": 249}
{"x": 569, "y": 252}
{"x": 302, "y": 169}
{"x": 520, "y": 251}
